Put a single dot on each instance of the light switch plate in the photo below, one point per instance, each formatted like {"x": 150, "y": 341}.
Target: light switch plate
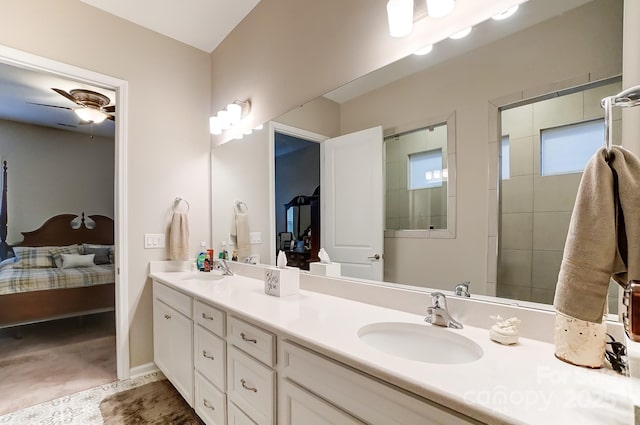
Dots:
{"x": 154, "y": 240}
{"x": 255, "y": 237}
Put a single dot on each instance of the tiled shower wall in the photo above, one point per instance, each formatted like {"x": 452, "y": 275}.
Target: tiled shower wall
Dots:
{"x": 420, "y": 208}
{"x": 536, "y": 210}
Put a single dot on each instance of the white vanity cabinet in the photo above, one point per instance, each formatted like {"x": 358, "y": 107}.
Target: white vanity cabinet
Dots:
{"x": 173, "y": 338}
{"x": 323, "y": 391}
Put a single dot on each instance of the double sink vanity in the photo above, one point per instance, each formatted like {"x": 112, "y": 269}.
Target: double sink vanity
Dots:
{"x": 239, "y": 356}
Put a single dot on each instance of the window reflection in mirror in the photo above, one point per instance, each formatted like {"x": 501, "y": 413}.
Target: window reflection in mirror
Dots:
{"x": 545, "y": 147}
{"x": 416, "y": 179}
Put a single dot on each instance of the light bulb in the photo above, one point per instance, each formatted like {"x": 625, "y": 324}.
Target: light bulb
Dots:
{"x": 460, "y": 34}
{"x": 93, "y": 115}
{"x": 214, "y": 125}
{"x": 424, "y": 50}
{"x": 400, "y": 16}
{"x": 223, "y": 119}
{"x": 234, "y": 112}
{"x": 506, "y": 13}
{"x": 439, "y": 8}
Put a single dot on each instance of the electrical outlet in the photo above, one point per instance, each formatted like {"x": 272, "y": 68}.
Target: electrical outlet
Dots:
{"x": 255, "y": 237}
{"x": 154, "y": 240}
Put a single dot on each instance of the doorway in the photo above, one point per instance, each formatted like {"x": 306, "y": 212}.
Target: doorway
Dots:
{"x": 40, "y": 64}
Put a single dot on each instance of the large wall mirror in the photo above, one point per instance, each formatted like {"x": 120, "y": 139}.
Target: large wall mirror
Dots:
{"x": 438, "y": 116}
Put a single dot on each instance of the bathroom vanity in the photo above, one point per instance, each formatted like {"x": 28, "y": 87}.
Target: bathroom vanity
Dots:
{"x": 239, "y": 356}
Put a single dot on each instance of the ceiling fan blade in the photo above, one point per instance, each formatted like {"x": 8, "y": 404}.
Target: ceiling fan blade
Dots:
{"x": 111, "y": 108}
{"x": 111, "y": 117}
{"x": 67, "y": 95}
{"x": 50, "y": 106}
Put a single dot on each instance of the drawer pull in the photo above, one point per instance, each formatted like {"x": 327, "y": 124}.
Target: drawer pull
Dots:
{"x": 204, "y": 316}
{"x": 206, "y": 403}
{"x": 167, "y": 316}
{"x": 207, "y": 355}
{"x": 244, "y": 338}
{"x": 244, "y": 385}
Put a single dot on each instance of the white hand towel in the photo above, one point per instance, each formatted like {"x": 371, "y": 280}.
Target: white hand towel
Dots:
{"x": 240, "y": 230}
{"x": 179, "y": 237}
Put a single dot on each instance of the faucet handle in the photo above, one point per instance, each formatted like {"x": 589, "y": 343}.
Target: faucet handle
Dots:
{"x": 438, "y": 300}
{"x": 462, "y": 289}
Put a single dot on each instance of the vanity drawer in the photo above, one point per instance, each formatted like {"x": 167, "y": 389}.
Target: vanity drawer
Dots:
{"x": 209, "y": 356}
{"x": 175, "y": 299}
{"x": 251, "y": 386}
{"x": 362, "y": 396}
{"x": 209, "y": 317}
{"x": 237, "y": 416}
{"x": 253, "y": 340}
{"x": 210, "y": 403}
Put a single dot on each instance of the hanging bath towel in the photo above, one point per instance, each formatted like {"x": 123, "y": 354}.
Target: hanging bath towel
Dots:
{"x": 179, "y": 237}
{"x": 240, "y": 229}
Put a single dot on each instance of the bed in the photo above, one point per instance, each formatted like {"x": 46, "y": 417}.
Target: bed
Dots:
{"x": 32, "y": 290}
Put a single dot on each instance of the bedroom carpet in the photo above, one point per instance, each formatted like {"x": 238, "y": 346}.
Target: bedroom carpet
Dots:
{"x": 54, "y": 359}
{"x": 157, "y": 403}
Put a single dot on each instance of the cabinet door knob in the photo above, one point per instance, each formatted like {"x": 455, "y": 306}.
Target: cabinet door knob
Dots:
{"x": 167, "y": 316}
{"x": 206, "y": 403}
{"x": 244, "y": 338}
{"x": 375, "y": 257}
{"x": 207, "y": 355}
{"x": 244, "y": 385}
{"x": 204, "y": 316}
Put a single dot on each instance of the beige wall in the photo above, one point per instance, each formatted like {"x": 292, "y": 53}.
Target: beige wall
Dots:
{"x": 53, "y": 172}
{"x": 167, "y": 134}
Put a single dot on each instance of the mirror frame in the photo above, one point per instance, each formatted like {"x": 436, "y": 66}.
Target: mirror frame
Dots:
{"x": 450, "y": 231}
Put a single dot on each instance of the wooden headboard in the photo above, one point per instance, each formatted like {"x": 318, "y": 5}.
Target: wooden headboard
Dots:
{"x": 57, "y": 231}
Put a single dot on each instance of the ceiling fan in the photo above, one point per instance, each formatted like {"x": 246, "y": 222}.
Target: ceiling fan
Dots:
{"x": 92, "y": 107}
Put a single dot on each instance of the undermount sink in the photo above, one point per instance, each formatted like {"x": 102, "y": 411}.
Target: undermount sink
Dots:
{"x": 208, "y": 276}
{"x": 423, "y": 343}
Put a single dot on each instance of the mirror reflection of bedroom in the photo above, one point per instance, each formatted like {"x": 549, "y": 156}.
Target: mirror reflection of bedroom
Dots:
{"x": 57, "y": 313}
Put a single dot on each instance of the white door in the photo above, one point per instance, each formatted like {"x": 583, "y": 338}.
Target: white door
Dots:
{"x": 352, "y": 178}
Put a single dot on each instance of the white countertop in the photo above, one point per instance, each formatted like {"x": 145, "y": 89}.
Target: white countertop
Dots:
{"x": 521, "y": 384}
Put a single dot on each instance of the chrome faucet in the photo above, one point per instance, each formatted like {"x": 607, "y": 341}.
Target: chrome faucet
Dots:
{"x": 221, "y": 264}
{"x": 462, "y": 289}
{"x": 437, "y": 313}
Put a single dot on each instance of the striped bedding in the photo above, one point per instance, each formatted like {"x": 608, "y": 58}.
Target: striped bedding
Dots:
{"x": 16, "y": 280}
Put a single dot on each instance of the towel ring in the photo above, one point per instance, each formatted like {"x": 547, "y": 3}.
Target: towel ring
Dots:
{"x": 241, "y": 207}
{"x": 176, "y": 204}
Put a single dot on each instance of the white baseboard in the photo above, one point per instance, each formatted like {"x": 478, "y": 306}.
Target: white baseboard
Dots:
{"x": 143, "y": 369}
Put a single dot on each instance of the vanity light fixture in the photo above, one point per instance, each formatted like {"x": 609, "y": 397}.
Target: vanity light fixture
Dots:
{"x": 424, "y": 50}
{"x": 505, "y": 13}
{"x": 229, "y": 117}
{"x": 460, "y": 34}
{"x": 439, "y": 8}
{"x": 400, "y": 16}
{"x": 92, "y": 115}
{"x": 258, "y": 127}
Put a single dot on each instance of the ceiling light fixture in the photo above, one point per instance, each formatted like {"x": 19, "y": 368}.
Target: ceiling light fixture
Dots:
{"x": 505, "y": 13}
{"x": 440, "y": 8}
{"x": 88, "y": 114}
{"x": 229, "y": 117}
{"x": 400, "y": 16}
{"x": 460, "y": 34}
{"x": 424, "y": 50}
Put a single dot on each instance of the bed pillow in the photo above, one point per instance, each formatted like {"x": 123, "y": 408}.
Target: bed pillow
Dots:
{"x": 102, "y": 255}
{"x": 70, "y": 261}
{"x": 33, "y": 257}
{"x": 57, "y": 251}
{"x": 86, "y": 246}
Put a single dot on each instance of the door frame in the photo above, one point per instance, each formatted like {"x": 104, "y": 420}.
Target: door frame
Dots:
{"x": 37, "y": 63}
{"x": 291, "y": 131}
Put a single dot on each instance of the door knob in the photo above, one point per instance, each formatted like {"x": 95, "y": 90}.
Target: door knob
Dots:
{"x": 375, "y": 257}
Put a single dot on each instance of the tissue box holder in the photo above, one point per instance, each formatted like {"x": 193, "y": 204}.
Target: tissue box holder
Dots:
{"x": 281, "y": 282}
{"x": 324, "y": 269}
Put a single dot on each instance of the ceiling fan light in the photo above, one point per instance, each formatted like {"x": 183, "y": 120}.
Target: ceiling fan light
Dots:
{"x": 234, "y": 111}
{"x": 214, "y": 125}
{"x": 93, "y": 115}
{"x": 505, "y": 13}
{"x": 400, "y": 16}
{"x": 439, "y": 8}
